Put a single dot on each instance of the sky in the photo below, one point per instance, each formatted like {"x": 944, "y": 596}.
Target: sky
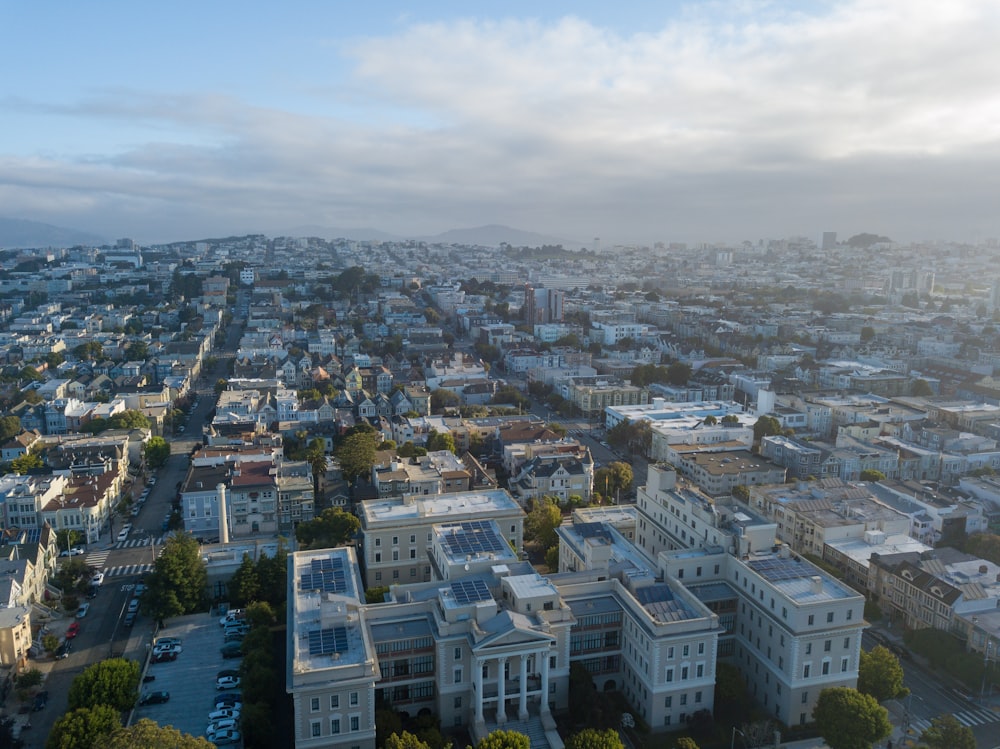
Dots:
{"x": 634, "y": 122}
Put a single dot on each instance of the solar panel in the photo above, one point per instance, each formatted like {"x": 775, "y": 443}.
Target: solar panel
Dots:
{"x": 327, "y": 581}
{"x": 327, "y": 563}
{"x": 777, "y": 570}
{"x": 473, "y": 537}
{"x": 326, "y": 641}
{"x": 470, "y": 591}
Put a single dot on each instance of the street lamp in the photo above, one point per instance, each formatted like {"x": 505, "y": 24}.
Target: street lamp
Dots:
{"x": 732, "y": 741}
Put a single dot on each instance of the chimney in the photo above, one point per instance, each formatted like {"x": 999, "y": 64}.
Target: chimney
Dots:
{"x": 220, "y": 489}
{"x": 817, "y": 584}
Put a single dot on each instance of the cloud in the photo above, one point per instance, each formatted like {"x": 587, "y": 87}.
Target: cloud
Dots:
{"x": 731, "y": 121}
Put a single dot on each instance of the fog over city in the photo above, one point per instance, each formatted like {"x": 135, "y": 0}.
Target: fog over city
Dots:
{"x": 717, "y": 121}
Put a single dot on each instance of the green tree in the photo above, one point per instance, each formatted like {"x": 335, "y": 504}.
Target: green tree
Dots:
{"x": 848, "y": 719}
{"x": 273, "y": 574}
{"x": 921, "y": 388}
{"x": 137, "y": 351}
{"x": 221, "y": 385}
{"x": 685, "y": 742}
{"x": 504, "y": 740}
{"x": 110, "y": 682}
{"x": 552, "y": 558}
{"x": 945, "y": 732}
{"x": 437, "y": 441}
{"x": 257, "y": 724}
{"x": 765, "y": 426}
{"x": 591, "y": 738}
{"x": 260, "y": 614}
{"x": 24, "y": 463}
{"x": 867, "y": 334}
{"x": 405, "y": 740}
{"x": 442, "y": 399}
{"x": 542, "y": 521}
{"x": 880, "y": 675}
{"x": 156, "y": 452}
{"x": 870, "y": 474}
{"x": 333, "y": 527}
{"x": 613, "y": 479}
{"x": 356, "y": 453}
{"x": 409, "y": 450}
{"x": 84, "y": 728}
{"x": 129, "y": 419}
{"x": 149, "y": 735}
{"x": 178, "y": 581}
{"x": 678, "y": 373}
{"x": 28, "y": 679}
{"x": 10, "y": 426}
{"x": 244, "y": 585}
{"x": 377, "y": 594}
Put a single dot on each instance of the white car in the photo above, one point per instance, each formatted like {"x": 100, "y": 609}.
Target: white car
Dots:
{"x": 226, "y": 724}
{"x": 76, "y": 551}
{"x": 170, "y": 648}
{"x": 225, "y": 737}
{"x": 224, "y": 713}
{"x": 97, "y": 579}
{"x": 82, "y": 611}
{"x": 227, "y": 682}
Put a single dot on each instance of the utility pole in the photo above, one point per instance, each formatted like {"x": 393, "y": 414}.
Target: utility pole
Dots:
{"x": 986, "y": 665}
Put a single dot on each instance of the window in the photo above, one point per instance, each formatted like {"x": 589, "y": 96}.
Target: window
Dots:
{"x": 314, "y": 705}
{"x": 850, "y": 614}
{"x": 378, "y": 557}
{"x": 355, "y": 723}
{"x": 458, "y": 654}
{"x": 354, "y": 699}
{"x": 378, "y": 577}
{"x": 687, "y": 650}
{"x": 809, "y": 648}
{"x": 684, "y": 672}
{"x": 413, "y": 539}
{"x": 458, "y": 703}
{"x": 829, "y": 617}
{"x": 680, "y": 574}
{"x": 395, "y": 555}
{"x": 847, "y": 643}
{"x": 458, "y": 676}
{"x": 806, "y": 670}
{"x": 697, "y": 697}
{"x": 395, "y": 574}
{"x": 334, "y": 701}
{"x": 670, "y": 652}
{"x": 699, "y": 670}
{"x": 335, "y": 726}
{"x": 826, "y": 667}
{"x": 684, "y": 699}
{"x": 668, "y": 701}
{"x": 315, "y": 729}
{"x": 413, "y": 553}
{"x": 827, "y": 645}
{"x": 378, "y": 541}
{"x": 843, "y": 665}
{"x": 670, "y": 677}
{"x": 395, "y": 540}
{"x": 811, "y": 619}
{"x": 805, "y": 697}
{"x": 701, "y": 648}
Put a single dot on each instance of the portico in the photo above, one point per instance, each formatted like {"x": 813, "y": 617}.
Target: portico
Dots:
{"x": 506, "y": 679}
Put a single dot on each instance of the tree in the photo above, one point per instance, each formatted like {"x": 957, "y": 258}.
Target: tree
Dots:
{"x": 156, "y": 452}
{"x": 178, "y": 581}
{"x": 867, "y": 334}
{"x": 111, "y": 682}
{"x": 542, "y": 521}
{"x": 765, "y": 426}
{"x": 442, "y": 399}
{"x": 84, "y": 728}
{"x": 591, "y": 738}
{"x": 149, "y": 735}
{"x": 356, "y": 453}
{"x": 880, "y": 675}
{"x": 137, "y": 351}
{"x": 24, "y": 463}
{"x": 848, "y": 719}
{"x": 10, "y": 426}
{"x": 945, "y": 732}
{"x": 613, "y": 479}
{"x": 333, "y": 527}
{"x": 685, "y": 742}
{"x": 678, "y": 373}
{"x": 870, "y": 474}
{"x": 440, "y": 441}
{"x": 28, "y": 679}
{"x": 244, "y": 585}
{"x": 504, "y": 740}
{"x": 405, "y": 740}
{"x": 221, "y": 385}
{"x": 921, "y": 388}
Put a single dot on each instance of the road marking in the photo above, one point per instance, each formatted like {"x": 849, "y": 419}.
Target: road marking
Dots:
{"x": 128, "y": 569}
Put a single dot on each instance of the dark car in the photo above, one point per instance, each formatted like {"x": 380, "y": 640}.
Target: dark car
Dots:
{"x": 232, "y": 650}
{"x": 41, "y": 700}
{"x": 129, "y": 619}
{"x": 900, "y": 652}
{"x": 63, "y": 650}
{"x": 154, "y": 698}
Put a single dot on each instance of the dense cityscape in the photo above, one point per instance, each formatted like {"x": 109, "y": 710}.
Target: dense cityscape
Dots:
{"x": 340, "y": 493}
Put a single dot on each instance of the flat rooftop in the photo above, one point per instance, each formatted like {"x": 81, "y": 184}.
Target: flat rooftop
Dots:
{"x": 798, "y": 580}
{"x": 436, "y": 508}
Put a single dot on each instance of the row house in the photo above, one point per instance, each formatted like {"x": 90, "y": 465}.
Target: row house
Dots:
{"x": 85, "y": 505}
{"x": 439, "y": 472}
{"x": 23, "y": 498}
{"x": 557, "y": 476}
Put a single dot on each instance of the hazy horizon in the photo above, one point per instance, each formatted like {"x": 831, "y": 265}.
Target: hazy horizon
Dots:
{"x": 715, "y": 121}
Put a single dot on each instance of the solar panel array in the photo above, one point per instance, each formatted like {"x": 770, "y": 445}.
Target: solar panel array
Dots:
{"x": 473, "y": 537}
{"x": 470, "y": 591}
{"x": 777, "y": 570}
{"x": 327, "y": 575}
{"x": 326, "y": 641}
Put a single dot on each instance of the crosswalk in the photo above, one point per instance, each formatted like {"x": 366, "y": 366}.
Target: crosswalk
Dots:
{"x": 99, "y": 559}
{"x": 128, "y": 569}
{"x": 967, "y": 718}
{"x": 136, "y": 542}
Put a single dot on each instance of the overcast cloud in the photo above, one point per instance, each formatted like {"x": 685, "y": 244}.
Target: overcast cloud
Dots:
{"x": 729, "y": 122}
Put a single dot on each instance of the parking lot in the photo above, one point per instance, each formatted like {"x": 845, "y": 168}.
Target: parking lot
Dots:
{"x": 190, "y": 679}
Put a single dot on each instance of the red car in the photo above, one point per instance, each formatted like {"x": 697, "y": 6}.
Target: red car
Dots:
{"x": 73, "y": 630}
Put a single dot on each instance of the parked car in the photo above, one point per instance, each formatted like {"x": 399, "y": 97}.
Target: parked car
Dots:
{"x": 168, "y": 641}
{"x": 123, "y": 534}
{"x": 63, "y": 650}
{"x": 175, "y": 649}
{"x": 41, "y": 700}
{"x": 140, "y": 588}
{"x": 226, "y": 737}
{"x": 154, "y": 698}
{"x": 229, "y": 699}
{"x": 232, "y": 650}
{"x": 164, "y": 657}
{"x": 82, "y": 611}
{"x": 234, "y": 637}
{"x": 224, "y": 712}
{"x": 227, "y": 682}
{"x": 227, "y": 672}
{"x": 97, "y": 578}
{"x": 72, "y": 630}
{"x": 233, "y": 615}
{"x": 129, "y": 619}
{"x": 216, "y": 726}
{"x": 75, "y": 551}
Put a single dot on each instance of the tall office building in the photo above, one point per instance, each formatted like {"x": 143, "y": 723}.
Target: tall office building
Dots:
{"x": 543, "y": 306}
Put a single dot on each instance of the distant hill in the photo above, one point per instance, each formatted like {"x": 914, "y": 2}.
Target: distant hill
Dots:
{"x": 494, "y": 235}
{"x": 17, "y": 233}
{"x": 333, "y": 232}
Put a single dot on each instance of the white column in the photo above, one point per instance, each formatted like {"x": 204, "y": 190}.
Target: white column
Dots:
{"x": 544, "y": 707}
{"x": 501, "y": 690}
{"x": 522, "y": 706}
{"x": 477, "y": 680}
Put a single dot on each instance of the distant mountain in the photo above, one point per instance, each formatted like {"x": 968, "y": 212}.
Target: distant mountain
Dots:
{"x": 16, "y": 233}
{"x": 332, "y": 232}
{"x": 494, "y": 235}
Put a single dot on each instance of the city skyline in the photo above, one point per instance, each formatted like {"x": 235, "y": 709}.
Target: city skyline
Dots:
{"x": 657, "y": 122}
